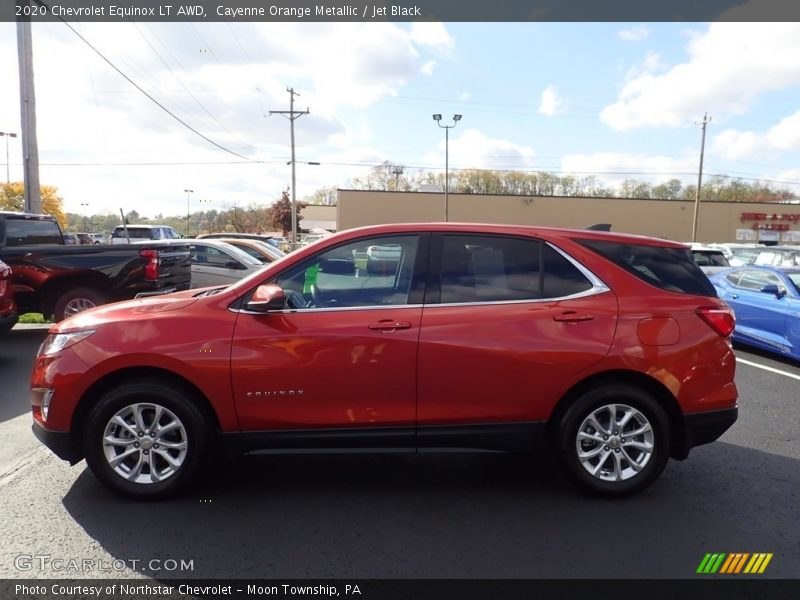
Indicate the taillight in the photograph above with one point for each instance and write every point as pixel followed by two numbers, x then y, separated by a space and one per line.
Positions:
pixel 151 268
pixel 719 319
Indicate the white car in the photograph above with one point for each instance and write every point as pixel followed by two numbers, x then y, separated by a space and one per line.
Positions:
pixel 710 260
pixel 137 233
pixel 389 252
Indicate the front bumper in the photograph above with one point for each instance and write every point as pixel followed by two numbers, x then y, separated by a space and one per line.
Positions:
pixel 703 428
pixel 60 442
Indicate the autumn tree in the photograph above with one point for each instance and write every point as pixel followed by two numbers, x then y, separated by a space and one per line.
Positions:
pixel 12 197
pixel 279 215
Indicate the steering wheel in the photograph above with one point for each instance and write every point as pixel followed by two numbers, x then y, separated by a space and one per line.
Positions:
pixel 295 299
pixel 316 296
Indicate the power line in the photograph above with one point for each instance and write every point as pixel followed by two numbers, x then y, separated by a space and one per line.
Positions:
pixel 134 84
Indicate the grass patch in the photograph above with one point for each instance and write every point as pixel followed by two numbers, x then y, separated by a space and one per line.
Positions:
pixel 33 318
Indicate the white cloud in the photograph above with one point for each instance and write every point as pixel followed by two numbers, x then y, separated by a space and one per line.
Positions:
pixel 465 96
pixel 634 34
pixel 428 68
pixel 236 74
pixel 552 103
pixel 472 149
pixel 432 34
pixel 729 66
pixel 735 145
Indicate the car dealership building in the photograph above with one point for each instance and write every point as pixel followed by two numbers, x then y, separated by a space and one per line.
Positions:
pixel 765 222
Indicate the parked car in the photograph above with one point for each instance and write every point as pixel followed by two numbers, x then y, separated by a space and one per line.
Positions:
pixel 242 236
pixel 611 350
pixel 258 249
pixel 58 281
pixel 71 239
pixel 766 302
pixel 776 256
pixel 215 262
pixel 134 233
pixel 8 308
pixel 710 260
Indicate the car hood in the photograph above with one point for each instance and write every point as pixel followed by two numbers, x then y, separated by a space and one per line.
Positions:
pixel 129 309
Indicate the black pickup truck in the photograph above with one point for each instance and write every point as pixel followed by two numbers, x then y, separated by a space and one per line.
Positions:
pixel 60 280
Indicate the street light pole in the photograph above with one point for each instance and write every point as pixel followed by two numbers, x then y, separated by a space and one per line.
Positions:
pixel 7 135
pixel 85 215
pixel 187 210
pixel 438 118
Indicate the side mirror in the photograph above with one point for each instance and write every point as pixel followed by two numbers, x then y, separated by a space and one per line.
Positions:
pixel 234 264
pixel 774 289
pixel 266 298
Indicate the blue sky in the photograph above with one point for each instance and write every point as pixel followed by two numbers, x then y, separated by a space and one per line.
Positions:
pixel 599 98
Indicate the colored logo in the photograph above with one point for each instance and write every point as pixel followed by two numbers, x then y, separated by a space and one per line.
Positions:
pixel 734 563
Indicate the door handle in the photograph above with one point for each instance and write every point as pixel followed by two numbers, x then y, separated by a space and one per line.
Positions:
pixel 734 296
pixel 389 325
pixel 573 317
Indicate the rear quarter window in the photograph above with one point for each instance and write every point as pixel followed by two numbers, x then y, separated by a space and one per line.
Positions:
pixel 667 268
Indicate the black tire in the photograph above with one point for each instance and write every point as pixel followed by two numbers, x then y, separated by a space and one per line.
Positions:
pixel 75 300
pixel 617 475
pixel 176 404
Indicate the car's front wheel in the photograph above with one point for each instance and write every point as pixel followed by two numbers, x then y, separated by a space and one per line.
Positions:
pixel 614 440
pixel 146 439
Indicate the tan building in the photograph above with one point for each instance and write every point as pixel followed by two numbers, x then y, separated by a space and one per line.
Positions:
pixel 669 219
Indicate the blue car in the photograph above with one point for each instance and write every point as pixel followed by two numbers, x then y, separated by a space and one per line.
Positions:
pixel 766 302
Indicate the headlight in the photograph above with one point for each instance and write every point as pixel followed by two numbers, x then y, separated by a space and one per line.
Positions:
pixel 59 341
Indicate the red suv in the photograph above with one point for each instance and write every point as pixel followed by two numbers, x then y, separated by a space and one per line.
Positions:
pixel 8 308
pixel 612 350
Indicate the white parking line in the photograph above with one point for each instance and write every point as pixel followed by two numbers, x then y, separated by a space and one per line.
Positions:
pixel 766 368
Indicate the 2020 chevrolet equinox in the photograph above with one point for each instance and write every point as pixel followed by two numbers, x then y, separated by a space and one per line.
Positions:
pixel 613 350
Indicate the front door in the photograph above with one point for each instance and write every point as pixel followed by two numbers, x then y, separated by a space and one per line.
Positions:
pixel 343 353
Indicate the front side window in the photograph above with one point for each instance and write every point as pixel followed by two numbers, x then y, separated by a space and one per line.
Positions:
pixel 480 268
pixel 372 272
pixel 755 280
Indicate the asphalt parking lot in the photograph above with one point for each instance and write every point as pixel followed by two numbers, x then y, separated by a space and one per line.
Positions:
pixel 410 515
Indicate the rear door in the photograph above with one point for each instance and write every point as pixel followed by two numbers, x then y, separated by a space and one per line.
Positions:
pixel 508 323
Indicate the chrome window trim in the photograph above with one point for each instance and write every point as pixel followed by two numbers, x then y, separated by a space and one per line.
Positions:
pixel 593 279
pixel 326 309
pixel 598 287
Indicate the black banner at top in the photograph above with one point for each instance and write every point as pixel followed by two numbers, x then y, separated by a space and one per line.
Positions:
pixel 399 10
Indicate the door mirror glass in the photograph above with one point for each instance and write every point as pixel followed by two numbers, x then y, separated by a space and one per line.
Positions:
pixel 267 297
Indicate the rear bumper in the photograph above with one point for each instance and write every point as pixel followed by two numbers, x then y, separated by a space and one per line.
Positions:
pixel 8 321
pixel 704 428
pixel 60 442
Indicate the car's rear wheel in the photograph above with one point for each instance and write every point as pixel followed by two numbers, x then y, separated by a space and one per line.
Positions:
pixel 614 440
pixel 146 439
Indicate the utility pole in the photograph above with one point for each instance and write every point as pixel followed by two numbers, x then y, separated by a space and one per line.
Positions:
pixel 706 120
pixel 27 101
pixel 292 115
pixel 397 170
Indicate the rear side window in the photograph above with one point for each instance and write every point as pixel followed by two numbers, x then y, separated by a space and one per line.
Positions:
pixel 671 269
pixel 29 232
pixel 484 268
